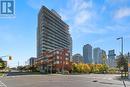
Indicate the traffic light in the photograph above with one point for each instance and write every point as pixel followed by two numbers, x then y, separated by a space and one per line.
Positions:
pixel 10 57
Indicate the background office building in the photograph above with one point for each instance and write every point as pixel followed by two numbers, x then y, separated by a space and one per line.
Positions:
pixel 77 58
pixel 97 53
pixel 87 53
pixel 32 61
pixel 52 33
pixel 111 58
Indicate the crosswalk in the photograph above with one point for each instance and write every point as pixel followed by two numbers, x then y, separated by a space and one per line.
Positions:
pixel 2 84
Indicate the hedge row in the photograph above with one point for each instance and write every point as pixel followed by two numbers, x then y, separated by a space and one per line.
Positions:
pixel 89 68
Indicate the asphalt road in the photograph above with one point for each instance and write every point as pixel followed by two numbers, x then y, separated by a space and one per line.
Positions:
pixel 89 80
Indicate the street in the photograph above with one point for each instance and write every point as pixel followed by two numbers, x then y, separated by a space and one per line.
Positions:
pixel 87 80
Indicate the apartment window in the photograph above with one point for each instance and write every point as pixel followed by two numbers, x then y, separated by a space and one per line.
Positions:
pixel 67 54
pixel 57 57
pixel 66 58
pixel 57 62
pixel 57 52
pixel 60 57
pixel 54 62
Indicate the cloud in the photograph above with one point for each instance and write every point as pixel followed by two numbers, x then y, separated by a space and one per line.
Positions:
pixel 36 4
pixel 91 29
pixel 79 5
pixel 103 8
pixel 79 13
pixel 76 8
pixel 122 12
pixel 82 17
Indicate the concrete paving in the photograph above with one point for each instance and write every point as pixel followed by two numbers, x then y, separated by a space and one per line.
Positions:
pixel 87 80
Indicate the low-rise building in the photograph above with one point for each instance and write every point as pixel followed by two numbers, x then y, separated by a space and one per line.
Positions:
pixel 54 61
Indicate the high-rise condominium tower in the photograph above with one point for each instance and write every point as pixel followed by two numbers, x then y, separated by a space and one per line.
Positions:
pixel 87 53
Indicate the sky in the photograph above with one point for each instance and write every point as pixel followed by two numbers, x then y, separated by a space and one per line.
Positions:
pixel 95 22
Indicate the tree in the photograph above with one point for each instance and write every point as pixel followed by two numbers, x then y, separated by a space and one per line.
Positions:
pixel 33 68
pixel 122 61
pixel 20 68
pixel 74 67
pixel 105 68
pixel 104 57
pixel 2 64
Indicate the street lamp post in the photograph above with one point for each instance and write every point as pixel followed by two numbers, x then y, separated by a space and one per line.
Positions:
pixel 121 38
pixel 128 65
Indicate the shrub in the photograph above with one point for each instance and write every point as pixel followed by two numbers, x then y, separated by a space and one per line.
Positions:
pixel 113 71
pixel 89 68
pixel 81 68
